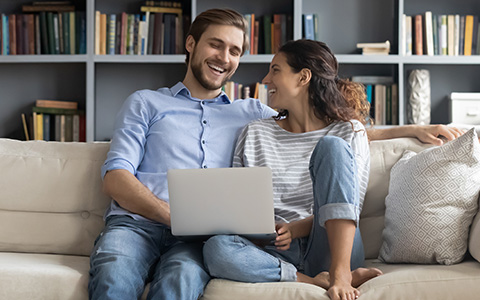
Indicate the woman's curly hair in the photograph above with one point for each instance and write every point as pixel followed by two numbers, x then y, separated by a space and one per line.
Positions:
pixel 332 98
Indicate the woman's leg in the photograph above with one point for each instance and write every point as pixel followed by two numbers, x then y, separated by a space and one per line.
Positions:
pixel 335 243
pixel 336 197
pixel 236 258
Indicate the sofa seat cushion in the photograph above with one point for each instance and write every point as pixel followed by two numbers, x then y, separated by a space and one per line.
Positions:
pixel 43 276
pixel 399 281
pixel 411 281
pixel 219 289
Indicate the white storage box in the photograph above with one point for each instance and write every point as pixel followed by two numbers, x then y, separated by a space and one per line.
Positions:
pixel 465 108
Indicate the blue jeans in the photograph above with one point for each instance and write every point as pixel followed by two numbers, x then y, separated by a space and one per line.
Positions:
pixel 336 196
pixel 129 253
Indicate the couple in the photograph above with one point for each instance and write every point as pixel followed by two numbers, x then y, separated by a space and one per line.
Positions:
pixel 194 125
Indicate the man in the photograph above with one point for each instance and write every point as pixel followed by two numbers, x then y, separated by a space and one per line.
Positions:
pixel 191 125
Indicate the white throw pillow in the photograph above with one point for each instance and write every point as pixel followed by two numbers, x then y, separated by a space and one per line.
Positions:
pixel 432 199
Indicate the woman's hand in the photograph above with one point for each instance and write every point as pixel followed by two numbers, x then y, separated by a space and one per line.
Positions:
pixel 284 236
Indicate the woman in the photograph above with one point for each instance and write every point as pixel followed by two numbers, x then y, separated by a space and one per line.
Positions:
pixel 318 151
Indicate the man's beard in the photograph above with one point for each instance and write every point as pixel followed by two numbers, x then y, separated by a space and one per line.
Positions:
pixel 201 78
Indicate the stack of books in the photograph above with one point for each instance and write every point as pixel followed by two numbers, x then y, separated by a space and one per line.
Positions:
pixel 375 48
pixel 52 27
pixel 158 29
pixel 442 34
pixel 54 120
pixel 382 94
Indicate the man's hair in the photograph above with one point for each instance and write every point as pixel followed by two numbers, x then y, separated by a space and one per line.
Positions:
pixel 217 16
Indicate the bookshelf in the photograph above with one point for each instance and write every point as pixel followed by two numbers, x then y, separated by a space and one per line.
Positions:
pixel 100 83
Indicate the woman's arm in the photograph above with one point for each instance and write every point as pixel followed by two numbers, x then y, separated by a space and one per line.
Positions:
pixel 425 133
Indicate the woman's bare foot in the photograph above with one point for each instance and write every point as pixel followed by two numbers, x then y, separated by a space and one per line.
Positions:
pixel 341 288
pixel 361 275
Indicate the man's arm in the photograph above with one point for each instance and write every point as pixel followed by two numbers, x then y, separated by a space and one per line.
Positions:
pixel 132 195
pixel 425 133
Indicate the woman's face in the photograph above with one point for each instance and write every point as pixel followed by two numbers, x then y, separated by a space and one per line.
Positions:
pixel 282 83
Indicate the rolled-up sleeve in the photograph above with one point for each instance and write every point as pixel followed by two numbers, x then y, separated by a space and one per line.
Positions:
pixel 128 141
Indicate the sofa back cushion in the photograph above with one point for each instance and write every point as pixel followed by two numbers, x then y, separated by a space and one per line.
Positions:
pixel 383 155
pixel 51 198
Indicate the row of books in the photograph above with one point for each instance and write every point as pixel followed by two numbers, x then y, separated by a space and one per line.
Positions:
pixel 43 33
pixel 382 94
pixel 57 123
pixel 429 34
pixel 157 30
pixel 268 32
pixel 235 90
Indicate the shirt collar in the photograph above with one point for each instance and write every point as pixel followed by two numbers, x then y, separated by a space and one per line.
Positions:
pixel 180 88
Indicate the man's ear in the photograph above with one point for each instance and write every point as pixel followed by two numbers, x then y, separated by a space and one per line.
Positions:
pixel 190 44
pixel 305 76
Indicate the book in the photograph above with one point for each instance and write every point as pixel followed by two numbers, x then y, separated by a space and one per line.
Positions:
pixel 456 36
pixel 443 35
pixel 72 29
pixel 56 104
pixel 56 36
pixel 44 33
pixel 12 33
pixel 468 35
pixel 277 32
pixel 158 38
pixel 475 35
pixel 97 32
pixel 165 10
pixel 112 20
pixel 25 127
pixel 408 33
pixel 375 48
pixel 56 111
pixel 267 33
pixel 418 35
pixel 103 34
pixel 60 34
pixel 53 8
pixel 373 79
pixel 461 42
pixel 451 35
pixel 308 27
pixel 429 33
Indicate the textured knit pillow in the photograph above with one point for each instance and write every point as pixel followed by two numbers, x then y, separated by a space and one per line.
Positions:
pixel 432 199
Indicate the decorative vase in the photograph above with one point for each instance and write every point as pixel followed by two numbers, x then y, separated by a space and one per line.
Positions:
pixel 419 101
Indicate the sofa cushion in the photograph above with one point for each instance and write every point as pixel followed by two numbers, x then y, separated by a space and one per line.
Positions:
pixel 43 276
pixel 383 155
pixel 474 238
pixel 407 281
pixel 431 202
pixel 51 198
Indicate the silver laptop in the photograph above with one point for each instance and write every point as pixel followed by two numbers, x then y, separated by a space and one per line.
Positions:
pixel 206 202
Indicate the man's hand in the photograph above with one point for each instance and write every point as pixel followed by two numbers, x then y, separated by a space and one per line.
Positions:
pixel 284 236
pixel 431 134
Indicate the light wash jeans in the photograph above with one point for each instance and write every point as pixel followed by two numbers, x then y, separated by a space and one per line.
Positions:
pixel 336 196
pixel 129 253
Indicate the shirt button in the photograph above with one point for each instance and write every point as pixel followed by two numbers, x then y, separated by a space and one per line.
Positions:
pixel 203 102
pixel 205 166
pixel 204 121
pixel 203 141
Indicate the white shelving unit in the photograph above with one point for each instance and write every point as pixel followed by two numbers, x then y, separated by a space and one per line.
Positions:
pixel 102 82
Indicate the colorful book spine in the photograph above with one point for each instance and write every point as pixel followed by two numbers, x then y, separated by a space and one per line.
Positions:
pixel 112 20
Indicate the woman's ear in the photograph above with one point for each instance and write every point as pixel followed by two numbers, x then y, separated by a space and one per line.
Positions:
pixel 305 76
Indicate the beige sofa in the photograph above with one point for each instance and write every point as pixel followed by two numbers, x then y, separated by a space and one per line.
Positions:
pixel 51 208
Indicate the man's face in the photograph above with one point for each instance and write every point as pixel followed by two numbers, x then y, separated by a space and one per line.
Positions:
pixel 215 57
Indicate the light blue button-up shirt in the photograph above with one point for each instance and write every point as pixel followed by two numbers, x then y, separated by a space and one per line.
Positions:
pixel 169 129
